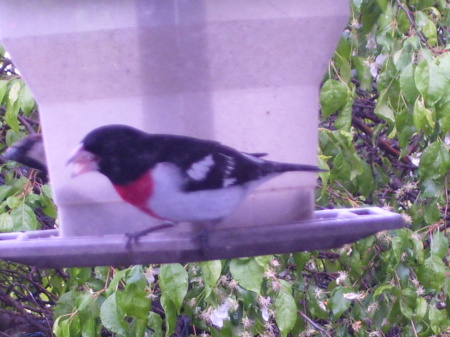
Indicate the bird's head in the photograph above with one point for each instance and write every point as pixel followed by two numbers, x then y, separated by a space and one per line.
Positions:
pixel 28 151
pixel 113 150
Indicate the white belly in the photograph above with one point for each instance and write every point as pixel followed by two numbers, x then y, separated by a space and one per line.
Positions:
pixel 169 202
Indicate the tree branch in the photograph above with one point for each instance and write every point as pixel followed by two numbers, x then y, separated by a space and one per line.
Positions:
pixel 322 331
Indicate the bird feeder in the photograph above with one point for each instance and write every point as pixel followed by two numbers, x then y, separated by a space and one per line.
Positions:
pixel 244 73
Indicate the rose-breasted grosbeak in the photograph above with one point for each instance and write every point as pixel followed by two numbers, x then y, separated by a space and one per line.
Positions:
pixel 28 151
pixel 175 178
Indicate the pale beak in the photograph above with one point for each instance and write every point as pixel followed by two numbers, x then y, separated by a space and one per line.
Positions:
pixel 82 161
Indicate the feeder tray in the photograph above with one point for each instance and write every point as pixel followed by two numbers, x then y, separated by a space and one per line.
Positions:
pixel 329 229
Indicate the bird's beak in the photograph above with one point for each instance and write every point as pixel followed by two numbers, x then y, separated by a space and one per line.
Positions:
pixel 82 161
pixel 10 153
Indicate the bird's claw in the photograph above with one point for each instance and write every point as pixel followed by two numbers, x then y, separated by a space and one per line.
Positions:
pixel 135 236
pixel 130 237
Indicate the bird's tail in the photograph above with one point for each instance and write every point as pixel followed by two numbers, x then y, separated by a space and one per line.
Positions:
pixel 275 167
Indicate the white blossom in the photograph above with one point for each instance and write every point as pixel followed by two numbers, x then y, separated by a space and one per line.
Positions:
pixel 354 296
pixel 342 277
pixel 220 314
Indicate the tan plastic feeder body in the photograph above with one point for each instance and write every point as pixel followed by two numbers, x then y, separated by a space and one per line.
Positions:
pixel 244 73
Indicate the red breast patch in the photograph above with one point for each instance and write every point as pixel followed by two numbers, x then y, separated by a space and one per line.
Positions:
pixel 137 193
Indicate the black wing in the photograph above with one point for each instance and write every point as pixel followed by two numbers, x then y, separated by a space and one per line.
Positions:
pixel 208 164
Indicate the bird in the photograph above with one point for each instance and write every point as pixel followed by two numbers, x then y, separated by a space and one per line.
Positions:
pixel 175 178
pixel 28 151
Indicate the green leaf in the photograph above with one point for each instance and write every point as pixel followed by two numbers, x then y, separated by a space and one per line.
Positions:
pixel 115 281
pixel 6 223
pixel 26 99
pixel 372 13
pixel 443 115
pixel 422 117
pixel 339 304
pixel 264 260
pixel 389 85
pixel 248 273
pixel 344 48
pixel 403 22
pixel 46 189
pixel 344 119
pixel 417 246
pixel 427 27
pixel 24 218
pixel 429 189
pixel 421 308
pixel 12 112
pixel 439 245
pixel 383 111
pixel 365 181
pixel 85 301
pixel 5 190
pixel 112 317
pixel 81 275
pixel 135 276
pixel 75 325
pixel 398 247
pixel 134 302
pixel 285 310
pixel 412 43
pixel 333 96
pixel 300 260
pixel 14 91
pixel 173 280
pixel 383 5
pixel 438 319
pixel 432 273
pixel 12 137
pixel 13 202
pixel 66 304
pixel 408 85
pixel 89 327
pixel 316 305
pixel 61 327
pixel 434 162
pixel 341 168
pixel 155 323
pixel 395 313
pixel 362 72
pixel 344 68
pixel 3 86
pixel 138 327
pixel 431 82
pixel 432 213
pixel 211 273
pixel 382 288
pixel 405 310
pixel 352 260
pixel 48 207
pixel 171 313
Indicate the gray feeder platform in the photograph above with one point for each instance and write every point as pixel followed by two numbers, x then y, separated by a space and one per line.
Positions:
pixel 329 229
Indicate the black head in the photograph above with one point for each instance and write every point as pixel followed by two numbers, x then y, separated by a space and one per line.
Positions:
pixel 113 140
pixel 122 153
pixel 29 151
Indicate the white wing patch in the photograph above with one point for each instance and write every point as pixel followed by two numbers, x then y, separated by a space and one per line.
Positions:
pixel 253 158
pixel 200 169
pixel 228 182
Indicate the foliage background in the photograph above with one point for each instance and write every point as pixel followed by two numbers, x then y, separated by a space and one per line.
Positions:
pixel 383 137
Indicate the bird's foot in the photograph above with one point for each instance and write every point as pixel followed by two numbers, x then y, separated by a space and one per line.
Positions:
pixel 135 236
pixel 202 237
